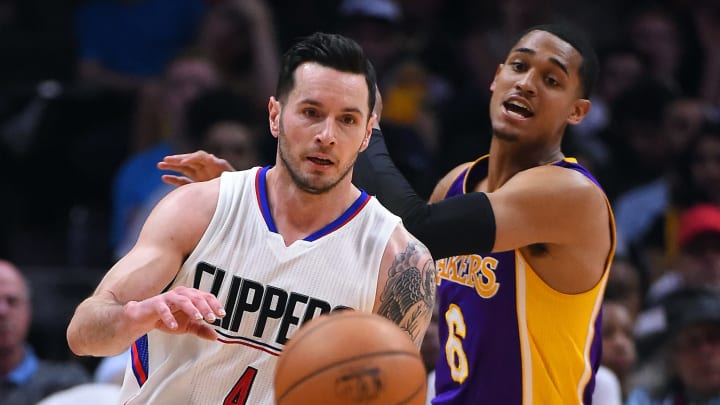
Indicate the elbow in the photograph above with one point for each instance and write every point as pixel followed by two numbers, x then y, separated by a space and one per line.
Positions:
pixel 73 343
pixel 73 340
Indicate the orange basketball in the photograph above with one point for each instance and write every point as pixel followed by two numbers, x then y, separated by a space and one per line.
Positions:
pixel 350 358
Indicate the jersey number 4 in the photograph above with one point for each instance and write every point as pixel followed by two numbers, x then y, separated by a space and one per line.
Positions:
pixel 241 391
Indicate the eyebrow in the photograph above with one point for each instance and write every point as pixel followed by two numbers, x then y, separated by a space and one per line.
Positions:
pixel 553 60
pixel 319 104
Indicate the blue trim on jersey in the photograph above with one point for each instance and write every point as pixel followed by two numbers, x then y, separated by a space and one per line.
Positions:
pixel 261 185
pixel 344 218
pixel 140 359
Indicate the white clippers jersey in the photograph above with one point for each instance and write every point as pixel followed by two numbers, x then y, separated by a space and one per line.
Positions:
pixel 268 289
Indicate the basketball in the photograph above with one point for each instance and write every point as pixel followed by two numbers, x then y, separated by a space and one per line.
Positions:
pixel 350 358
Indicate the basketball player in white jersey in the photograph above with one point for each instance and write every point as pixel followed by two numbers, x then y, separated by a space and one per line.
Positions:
pixel 225 271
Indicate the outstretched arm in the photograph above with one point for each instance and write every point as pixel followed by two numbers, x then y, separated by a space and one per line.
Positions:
pixel 129 302
pixel 455 226
pixel 443 226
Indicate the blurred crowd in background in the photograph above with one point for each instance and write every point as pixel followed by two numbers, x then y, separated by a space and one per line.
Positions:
pixel 93 93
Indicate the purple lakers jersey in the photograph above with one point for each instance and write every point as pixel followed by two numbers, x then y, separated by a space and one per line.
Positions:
pixel 506 337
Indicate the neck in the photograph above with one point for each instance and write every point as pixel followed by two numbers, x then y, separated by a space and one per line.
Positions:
pixel 507 158
pixel 298 213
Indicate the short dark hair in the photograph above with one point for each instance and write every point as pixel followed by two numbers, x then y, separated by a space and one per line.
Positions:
pixel 589 66
pixel 330 50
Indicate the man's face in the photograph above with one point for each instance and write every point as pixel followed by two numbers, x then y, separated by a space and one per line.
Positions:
pixel 699 261
pixel 233 142
pixel 696 353
pixel 537 91
pixel 322 126
pixel 618 347
pixel 184 80
pixel 14 309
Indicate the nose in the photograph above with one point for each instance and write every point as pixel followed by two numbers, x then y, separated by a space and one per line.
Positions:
pixel 326 133
pixel 526 82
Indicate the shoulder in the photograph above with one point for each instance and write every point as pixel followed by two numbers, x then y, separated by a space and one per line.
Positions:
pixel 195 198
pixel 402 241
pixel 183 215
pixel 404 252
pixel 564 185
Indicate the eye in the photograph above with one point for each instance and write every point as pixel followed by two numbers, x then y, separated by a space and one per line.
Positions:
pixel 517 66
pixel 310 112
pixel 348 119
pixel 552 82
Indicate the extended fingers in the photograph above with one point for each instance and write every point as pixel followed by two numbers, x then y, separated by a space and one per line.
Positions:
pixel 175 180
pixel 199 304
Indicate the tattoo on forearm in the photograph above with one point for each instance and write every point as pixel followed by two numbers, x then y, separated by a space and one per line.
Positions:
pixel 409 294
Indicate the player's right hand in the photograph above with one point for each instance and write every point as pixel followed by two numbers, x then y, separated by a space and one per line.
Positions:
pixel 180 310
pixel 194 167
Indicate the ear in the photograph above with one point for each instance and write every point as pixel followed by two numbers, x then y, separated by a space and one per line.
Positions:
pixel 274 110
pixel 368 132
pixel 579 111
pixel 497 72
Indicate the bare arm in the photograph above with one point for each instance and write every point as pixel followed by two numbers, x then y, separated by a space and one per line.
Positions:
pixel 128 302
pixel 561 222
pixel 406 286
pixel 547 204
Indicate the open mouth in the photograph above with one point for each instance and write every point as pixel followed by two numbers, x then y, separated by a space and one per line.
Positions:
pixel 319 161
pixel 517 108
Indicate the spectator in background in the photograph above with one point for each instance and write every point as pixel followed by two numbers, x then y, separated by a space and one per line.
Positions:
pixel 25 378
pixel 377 26
pixel 658 33
pixel 160 105
pixel 620 68
pixel 124 43
pixel 238 36
pixel 698 172
pixel 185 77
pixel 411 93
pixel 698 263
pixel 639 149
pixel 618 347
pixel 639 175
pixel 219 121
pixel 689 329
pixel 626 285
pixel 222 122
pixel 692 177
pixel 706 17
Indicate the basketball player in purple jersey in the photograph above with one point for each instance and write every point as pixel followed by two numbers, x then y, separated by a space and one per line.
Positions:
pixel 526 235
